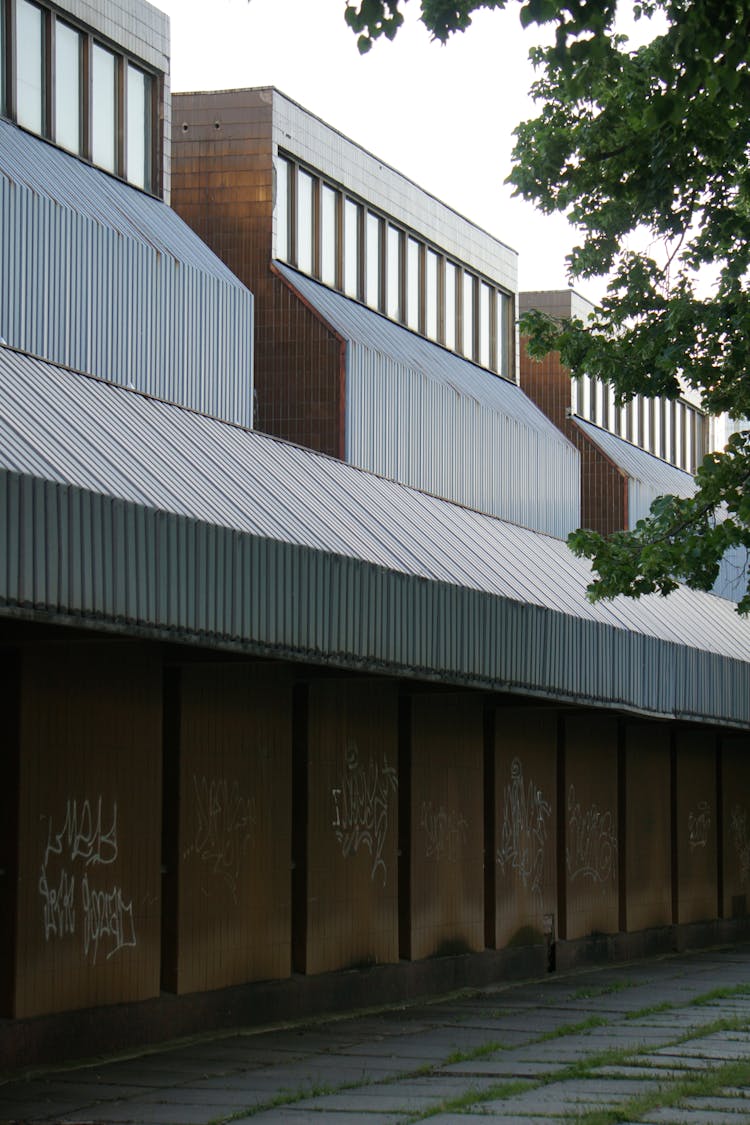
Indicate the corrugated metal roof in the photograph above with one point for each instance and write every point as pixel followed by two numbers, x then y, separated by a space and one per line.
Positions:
pixel 358 323
pixel 62 427
pixel 49 172
pixel 649 477
pixel 419 414
pixel 101 277
pixel 663 478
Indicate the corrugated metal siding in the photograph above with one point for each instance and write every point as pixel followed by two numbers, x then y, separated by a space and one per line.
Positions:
pixel 121 508
pixel 419 414
pixel 649 477
pixel 112 282
pixel 96 436
pixel 81 556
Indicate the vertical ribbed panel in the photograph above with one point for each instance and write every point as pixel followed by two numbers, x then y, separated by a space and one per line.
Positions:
pixel 406 426
pixel 734 567
pixel 83 556
pixel 89 297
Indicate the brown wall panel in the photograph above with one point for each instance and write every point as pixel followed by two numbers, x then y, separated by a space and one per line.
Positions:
pixel 447 834
pixel 591 828
pixel 90 815
pixel 525 817
pixel 735 784
pixel 648 861
pixel 604 488
pixel 352 864
pixel 695 826
pixel 223 187
pixel 234 898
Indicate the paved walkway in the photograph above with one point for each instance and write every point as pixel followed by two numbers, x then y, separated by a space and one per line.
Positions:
pixel 656 1041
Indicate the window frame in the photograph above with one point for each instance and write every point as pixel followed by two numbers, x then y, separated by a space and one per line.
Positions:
pixel 123 59
pixel 409 306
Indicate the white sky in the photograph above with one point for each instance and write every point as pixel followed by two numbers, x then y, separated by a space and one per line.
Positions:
pixel 441 115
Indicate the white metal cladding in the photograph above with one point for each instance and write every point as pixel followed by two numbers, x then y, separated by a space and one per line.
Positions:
pixel 419 414
pixel 649 477
pixel 110 281
pixel 82 557
pixel 98 442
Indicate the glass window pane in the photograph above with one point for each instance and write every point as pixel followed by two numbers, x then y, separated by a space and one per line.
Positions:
pixel 467 338
pixel 282 209
pixel 351 248
pixel 431 295
pixel 393 278
pixel 412 283
pixel 67 87
pixel 139 127
pixel 647 437
pixel 304 221
pixel 30 63
pixel 451 280
pixel 372 261
pixel 103 109
pixel 328 241
pixel 504 337
pixel 484 324
pixel 2 58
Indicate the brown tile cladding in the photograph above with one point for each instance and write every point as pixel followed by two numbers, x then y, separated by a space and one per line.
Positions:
pixel 222 186
pixel 604 487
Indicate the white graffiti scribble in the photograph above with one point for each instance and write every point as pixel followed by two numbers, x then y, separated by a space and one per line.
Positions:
pixel 698 825
pixel 738 828
pixel 524 829
pixel 82 836
pixel 87 840
pixel 361 807
pixel 106 915
pixel 225 822
pixel 592 852
pixel 58 911
pixel 445 830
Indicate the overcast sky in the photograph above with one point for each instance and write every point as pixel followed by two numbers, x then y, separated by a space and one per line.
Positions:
pixel 443 116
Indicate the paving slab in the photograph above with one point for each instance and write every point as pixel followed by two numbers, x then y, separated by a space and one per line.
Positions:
pixel 682 1116
pixel 345 1117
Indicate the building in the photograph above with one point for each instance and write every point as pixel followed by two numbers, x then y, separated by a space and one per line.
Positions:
pixel 284 734
pixel 630 454
pixel 379 310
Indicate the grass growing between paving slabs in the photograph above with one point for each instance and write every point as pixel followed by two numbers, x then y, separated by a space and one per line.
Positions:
pixel 666 1096
pixel 586 1068
pixel 669 1094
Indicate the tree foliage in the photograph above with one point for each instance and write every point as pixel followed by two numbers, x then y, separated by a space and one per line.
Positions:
pixel 643 146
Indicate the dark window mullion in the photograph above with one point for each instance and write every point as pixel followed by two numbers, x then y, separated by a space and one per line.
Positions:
pixel 10 58
pixel 86 79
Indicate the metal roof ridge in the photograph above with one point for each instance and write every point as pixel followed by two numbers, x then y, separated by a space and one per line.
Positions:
pixel 274 439
pixel 578 419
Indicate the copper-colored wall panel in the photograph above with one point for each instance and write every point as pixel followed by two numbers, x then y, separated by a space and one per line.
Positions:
pixel 90 815
pixel 447 832
pixel 735 784
pixel 696 826
pixel 525 812
pixel 222 185
pixel 352 878
pixel 234 902
pixel 604 489
pixel 591 828
pixel 648 826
